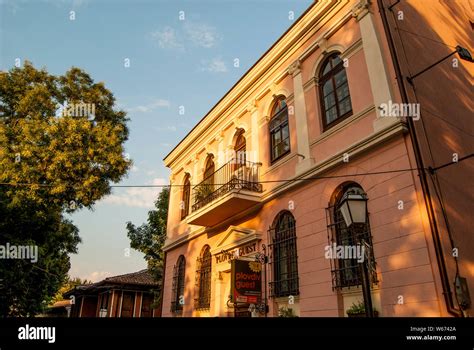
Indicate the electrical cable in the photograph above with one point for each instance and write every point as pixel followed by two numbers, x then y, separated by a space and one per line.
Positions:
pixel 261 182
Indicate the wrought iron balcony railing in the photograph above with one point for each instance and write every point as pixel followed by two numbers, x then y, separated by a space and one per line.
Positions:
pixel 237 174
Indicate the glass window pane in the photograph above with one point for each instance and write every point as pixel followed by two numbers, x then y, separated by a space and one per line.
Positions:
pixel 342 92
pixel 329 101
pixel 331 115
pixel 340 78
pixel 276 137
pixel 327 68
pixel 327 88
pixel 273 123
pixel 279 105
pixel 285 132
pixel 286 145
pixel 335 61
pixel 345 106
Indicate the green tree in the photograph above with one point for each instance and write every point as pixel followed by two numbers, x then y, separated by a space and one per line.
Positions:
pixel 150 236
pixel 69 284
pixel 69 160
pixel 26 286
pixel 51 162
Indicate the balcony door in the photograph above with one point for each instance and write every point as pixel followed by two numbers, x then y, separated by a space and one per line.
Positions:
pixel 240 150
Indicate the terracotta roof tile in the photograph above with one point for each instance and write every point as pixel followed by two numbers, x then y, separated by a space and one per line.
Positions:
pixel 142 277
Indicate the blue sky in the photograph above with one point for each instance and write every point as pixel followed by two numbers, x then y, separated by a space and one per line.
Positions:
pixel 173 63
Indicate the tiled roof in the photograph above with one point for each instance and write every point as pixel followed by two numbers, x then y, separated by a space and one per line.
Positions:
pixel 142 277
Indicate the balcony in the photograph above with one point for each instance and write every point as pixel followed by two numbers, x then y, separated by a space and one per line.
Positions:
pixel 231 189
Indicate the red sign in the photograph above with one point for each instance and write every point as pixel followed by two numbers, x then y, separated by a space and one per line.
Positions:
pixel 246 281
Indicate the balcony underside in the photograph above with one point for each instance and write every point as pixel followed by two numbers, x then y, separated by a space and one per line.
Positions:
pixel 223 208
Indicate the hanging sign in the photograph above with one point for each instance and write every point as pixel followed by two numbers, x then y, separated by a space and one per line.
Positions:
pixel 246 279
pixel 229 255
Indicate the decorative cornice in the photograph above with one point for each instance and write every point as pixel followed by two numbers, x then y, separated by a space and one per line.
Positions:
pixel 323 45
pixel 361 9
pixel 252 107
pixel 295 68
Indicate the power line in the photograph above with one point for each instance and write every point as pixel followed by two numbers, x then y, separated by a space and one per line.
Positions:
pixel 447 164
pixel 222 184
pixel 446 121
pixel 311 178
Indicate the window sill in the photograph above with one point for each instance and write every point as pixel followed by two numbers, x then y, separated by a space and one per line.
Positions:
pixel 341 125
pixel 280 162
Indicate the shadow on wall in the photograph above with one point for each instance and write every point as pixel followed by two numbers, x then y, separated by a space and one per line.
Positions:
pixel 429 31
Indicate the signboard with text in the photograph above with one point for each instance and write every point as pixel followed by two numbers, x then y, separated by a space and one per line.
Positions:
pixel 246 281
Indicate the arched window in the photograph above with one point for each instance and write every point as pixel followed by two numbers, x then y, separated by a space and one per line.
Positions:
pixel 279 130
pixel 203 279
pixel 209 170
pixel 177 300
pixel 334 91
pixel 284 256
pixel 240 149
pixel 186 197
pixel 347 272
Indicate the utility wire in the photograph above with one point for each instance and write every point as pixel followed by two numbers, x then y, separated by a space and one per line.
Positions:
pixel 222 184
pixel 265 181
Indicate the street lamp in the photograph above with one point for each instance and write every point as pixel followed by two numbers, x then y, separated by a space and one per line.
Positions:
pixel 354 208
pixel 354 211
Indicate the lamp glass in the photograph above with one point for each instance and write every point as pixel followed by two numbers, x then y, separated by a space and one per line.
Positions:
pixel 354 209
pixel 358 211
pixel 346 213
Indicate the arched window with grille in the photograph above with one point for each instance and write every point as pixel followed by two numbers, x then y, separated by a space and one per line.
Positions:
pixel 346 272
pixel 186 197
pixel 279 130
pixel 334 91
pixel 284 258
pixel 177 300
pixel 203 279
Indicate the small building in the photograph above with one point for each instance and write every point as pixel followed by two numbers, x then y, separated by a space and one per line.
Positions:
pixel 129 295
pixel 60 308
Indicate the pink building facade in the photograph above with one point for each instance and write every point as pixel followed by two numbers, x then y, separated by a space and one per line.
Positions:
pixel 266 172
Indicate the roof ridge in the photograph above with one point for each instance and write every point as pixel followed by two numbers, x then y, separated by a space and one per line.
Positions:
pixel 126 274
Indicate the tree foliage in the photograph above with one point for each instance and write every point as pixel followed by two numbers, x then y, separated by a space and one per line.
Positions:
pixel 69 284
pixel 26 286
pixel 150 236
pixel 50 163
pixel 69 160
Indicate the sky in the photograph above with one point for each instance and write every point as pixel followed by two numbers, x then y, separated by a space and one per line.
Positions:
pixel 160 59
